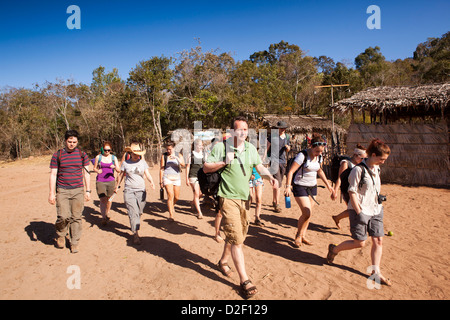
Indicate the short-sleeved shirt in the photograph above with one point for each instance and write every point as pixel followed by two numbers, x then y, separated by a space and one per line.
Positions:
pixel 70 169
pixel 307 175
pixel 134 180
pixel 282 143
pixel 367 194
pixel 234 185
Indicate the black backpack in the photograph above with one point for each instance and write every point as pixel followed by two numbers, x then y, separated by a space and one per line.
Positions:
pixel 344 180
pixel 335 165
pixel 344 177
pixel 209 182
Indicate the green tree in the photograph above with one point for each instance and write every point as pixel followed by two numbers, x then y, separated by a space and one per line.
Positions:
pixel 152 81
pixel 432 59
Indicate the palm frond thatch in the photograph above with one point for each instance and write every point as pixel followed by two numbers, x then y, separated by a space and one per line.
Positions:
pixel 379 99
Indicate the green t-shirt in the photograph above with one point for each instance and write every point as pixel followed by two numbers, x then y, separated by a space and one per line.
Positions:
pixel 234 184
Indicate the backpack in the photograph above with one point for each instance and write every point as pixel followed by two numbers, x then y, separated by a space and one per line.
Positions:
pixel 335 165
pixel 209 182
pixel 344 177
pixel 100 159
pixel 291 162
pixel 344 180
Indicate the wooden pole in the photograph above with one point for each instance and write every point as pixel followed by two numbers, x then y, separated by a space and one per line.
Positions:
pixel 332 101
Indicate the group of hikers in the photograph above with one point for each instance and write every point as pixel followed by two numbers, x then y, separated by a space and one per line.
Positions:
pixel 241 177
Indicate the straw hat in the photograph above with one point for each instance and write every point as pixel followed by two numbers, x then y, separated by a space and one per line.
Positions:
pixel 135 148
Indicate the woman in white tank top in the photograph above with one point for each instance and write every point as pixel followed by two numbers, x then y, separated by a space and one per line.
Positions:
pixel 170 177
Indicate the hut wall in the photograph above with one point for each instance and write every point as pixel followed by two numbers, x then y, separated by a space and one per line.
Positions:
pixel 420 153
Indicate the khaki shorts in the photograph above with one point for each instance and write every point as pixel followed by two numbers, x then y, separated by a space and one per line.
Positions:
pixel 235 219
pixel 105 189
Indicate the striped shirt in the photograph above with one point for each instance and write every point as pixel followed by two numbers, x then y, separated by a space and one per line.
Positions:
pixel 70 170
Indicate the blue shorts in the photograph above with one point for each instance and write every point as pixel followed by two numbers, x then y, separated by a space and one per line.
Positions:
pixel 302 191
pixel 255 182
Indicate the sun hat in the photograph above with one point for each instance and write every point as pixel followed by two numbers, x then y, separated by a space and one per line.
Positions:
pixel 135 148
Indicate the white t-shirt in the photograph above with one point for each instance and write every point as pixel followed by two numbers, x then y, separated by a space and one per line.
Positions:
pixel 307 175
pixel 134 180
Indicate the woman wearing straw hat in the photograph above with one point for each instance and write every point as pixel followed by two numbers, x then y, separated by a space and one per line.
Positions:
pixel 134 193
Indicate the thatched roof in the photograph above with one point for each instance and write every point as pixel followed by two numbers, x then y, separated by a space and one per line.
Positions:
pixel 381 98
pixel 302 124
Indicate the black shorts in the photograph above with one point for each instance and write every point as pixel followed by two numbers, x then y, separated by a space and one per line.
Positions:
pixel 302 191
pixel 280 174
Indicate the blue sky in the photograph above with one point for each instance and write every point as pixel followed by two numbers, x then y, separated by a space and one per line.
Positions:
pixel 36 45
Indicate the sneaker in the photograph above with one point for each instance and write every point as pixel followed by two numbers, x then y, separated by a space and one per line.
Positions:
pixel 276 207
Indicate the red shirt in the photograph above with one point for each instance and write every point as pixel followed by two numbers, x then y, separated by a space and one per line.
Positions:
pixel 70 170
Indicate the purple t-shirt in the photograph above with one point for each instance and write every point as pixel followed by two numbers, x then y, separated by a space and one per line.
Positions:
pixel 107 174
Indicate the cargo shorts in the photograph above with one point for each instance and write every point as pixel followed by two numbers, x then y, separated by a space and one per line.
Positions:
pixel 361 225
pixel 235 219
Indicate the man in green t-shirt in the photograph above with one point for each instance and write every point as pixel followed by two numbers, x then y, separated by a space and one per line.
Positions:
pixel 236 160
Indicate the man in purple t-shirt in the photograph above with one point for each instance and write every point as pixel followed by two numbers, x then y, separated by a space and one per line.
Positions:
pixel 69 170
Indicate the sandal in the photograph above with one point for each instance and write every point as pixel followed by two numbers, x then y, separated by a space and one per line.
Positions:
pixel 383 280
pixel 222 267
pixel 297 240
pixel 307 242
pixel 248 292
pixel 259 223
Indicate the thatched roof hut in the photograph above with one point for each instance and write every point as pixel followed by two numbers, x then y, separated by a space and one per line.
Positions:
pixel 400 102
pixel 305 125
pixel 420 149
pixel 302 123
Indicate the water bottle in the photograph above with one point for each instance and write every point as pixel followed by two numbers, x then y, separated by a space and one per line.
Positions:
pixel 287 200
pixel 161 194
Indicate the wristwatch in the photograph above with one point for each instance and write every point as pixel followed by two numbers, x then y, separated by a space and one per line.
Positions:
pixel 88 191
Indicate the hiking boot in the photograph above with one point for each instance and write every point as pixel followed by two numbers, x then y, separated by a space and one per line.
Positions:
pixel 60 242
pixel 74 248
pixel 276 207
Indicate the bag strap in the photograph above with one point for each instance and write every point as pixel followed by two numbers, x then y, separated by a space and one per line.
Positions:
pixel 58 158
pixel 235 157
pixel 365 167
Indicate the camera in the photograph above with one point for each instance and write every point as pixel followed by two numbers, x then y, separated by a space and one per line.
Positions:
pixel 381 198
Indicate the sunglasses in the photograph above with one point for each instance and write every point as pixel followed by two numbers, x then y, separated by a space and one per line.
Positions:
pixel 107 150
pixel 319 144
